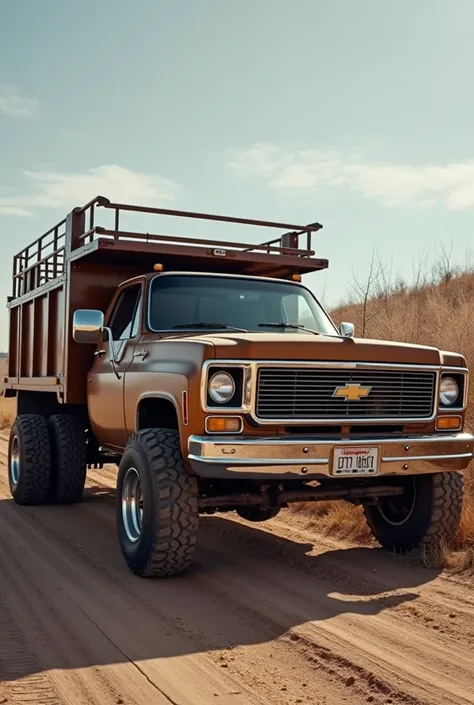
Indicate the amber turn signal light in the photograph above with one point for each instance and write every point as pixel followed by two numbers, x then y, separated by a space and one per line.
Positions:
pixel 223 424
pixel 448 423
pixel 296 277
pixel 158 267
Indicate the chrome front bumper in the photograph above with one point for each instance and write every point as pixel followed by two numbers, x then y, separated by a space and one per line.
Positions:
pixel 307 458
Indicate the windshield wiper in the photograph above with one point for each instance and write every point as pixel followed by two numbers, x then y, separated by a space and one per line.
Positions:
pixel 296 326
pixel 209 324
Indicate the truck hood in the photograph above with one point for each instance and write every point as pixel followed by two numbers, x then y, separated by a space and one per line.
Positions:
pixel 284 346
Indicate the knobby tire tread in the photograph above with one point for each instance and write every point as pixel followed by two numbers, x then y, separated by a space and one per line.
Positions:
pixel 433 525
pixel 35 459
pixel 176 516
pixel 69 461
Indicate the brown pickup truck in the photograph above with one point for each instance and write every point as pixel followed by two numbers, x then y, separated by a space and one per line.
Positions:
pixel 216 382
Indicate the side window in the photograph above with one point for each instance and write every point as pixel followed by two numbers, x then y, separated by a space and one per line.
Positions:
pixel 136 318
pixel 125 319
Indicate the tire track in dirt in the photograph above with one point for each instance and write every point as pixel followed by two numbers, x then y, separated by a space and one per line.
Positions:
pixel 440 671
pixel 81 595
pixel 16 659
pixel 264 617
pixel 445 602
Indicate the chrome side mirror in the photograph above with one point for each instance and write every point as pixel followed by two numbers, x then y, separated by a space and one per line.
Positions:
pixel 347 330
pixel 88 326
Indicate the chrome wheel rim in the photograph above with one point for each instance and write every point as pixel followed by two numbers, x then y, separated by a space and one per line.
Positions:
pixel 398 511
pixel 15 461
pixel 132 505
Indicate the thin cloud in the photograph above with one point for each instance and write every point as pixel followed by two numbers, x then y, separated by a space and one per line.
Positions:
pixel 16 105
pixel 14 210
pixel 426 185
pixel 50 189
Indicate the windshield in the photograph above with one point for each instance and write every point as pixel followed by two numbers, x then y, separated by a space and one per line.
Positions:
pixel 190 301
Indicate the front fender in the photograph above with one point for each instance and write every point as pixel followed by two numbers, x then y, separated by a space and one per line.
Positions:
pixel 172 388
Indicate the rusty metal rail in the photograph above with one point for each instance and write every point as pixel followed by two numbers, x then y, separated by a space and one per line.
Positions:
pixel 44 259
pixel 288 243
pixel 40 262
pixel 103 202
pixel 267 247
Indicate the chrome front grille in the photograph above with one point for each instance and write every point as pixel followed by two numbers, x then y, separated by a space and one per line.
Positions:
pixel 308 393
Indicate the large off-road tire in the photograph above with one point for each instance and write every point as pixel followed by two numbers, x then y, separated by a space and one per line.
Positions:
pixel 426 517
pixel 69 462
pixel 256 513
pixel 157 505
pixel 29 459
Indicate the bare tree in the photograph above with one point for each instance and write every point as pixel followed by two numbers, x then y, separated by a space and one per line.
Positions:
pixel 365 290
pixel 446 270
pixel 422 272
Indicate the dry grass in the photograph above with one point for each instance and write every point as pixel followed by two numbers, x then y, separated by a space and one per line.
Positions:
pixel 7 413
pixel 337 519
pixel 460 562
pixel 439 314
pixel 462 555
pixel 7 406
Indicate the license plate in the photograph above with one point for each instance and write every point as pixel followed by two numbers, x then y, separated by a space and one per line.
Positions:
pixel 355 461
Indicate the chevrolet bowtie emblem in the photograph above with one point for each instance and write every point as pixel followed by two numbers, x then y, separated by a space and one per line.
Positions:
pixel 352 392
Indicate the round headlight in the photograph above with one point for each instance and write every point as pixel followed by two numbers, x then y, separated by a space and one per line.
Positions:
pixel 448 391
pixel 221 387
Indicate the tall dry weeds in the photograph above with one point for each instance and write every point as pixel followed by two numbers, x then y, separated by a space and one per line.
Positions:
pixel 7 406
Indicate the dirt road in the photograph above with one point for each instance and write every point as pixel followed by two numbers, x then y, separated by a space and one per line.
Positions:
pixel 265 617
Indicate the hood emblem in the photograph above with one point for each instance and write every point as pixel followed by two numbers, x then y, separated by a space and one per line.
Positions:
pixel 352 392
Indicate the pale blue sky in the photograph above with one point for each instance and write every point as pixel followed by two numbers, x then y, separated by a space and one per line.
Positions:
pixel 356 113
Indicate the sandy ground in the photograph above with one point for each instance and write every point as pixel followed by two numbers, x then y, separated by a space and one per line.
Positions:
pixel 268 615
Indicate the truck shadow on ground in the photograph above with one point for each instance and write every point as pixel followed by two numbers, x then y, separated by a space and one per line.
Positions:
pixel 62 573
